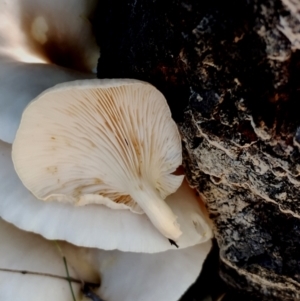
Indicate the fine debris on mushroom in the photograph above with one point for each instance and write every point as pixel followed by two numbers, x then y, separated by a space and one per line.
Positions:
pixel 105 142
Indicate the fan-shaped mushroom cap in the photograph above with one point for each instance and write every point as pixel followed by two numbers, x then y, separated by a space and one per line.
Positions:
pixel 97 225
pixel 110 142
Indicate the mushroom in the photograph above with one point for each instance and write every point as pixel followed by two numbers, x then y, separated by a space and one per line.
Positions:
pixel 106 142
pixel 32 268
pixel 27 67
pixel 42 43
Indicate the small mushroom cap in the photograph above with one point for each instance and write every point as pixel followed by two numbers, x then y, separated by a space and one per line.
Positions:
pixel 108 142
pixel 124 276
pixel 51 32
pixel 97 225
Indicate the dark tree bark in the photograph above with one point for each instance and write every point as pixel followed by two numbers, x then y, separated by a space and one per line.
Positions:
pixel 230 71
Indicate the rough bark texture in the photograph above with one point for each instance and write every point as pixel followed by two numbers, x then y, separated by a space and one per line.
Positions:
pixel 232 80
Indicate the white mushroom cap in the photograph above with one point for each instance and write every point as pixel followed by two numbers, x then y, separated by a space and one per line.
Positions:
pixel 20 83
pixel 51 32
pixel 124 276
pixel 110 142
pixel 38 40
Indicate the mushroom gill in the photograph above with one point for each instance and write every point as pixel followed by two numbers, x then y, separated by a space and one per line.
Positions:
pixel 108 142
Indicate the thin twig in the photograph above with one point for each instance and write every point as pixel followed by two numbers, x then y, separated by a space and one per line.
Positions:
pixel 66 267
pixel 70 279
pixel 70 283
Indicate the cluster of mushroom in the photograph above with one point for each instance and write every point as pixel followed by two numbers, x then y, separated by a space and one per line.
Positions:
pixel 93 163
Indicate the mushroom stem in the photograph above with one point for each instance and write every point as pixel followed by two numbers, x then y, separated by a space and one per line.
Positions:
pixel 159 213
